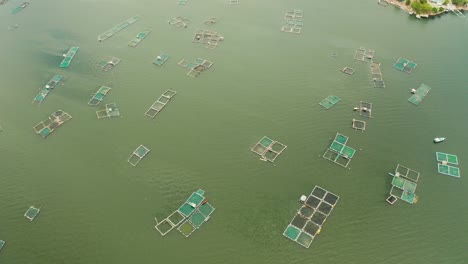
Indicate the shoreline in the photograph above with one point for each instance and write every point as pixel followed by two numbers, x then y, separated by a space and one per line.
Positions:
pixel 409 10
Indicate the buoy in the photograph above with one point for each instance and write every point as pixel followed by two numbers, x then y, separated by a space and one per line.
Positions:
pixel 413 91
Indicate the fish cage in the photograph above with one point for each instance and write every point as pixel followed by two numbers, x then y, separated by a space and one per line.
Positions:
pixel 308 221
pixel 338 152
pixel 268 149
pixel 330 101
pixel 447 158
pixel 109 33
pixel 160 103
pixel 359 124
pixel 179 21
pixel 32 213
pixel 51 84
pixel 293 21
pixel 19 8
pixel 208 38
pixel 404 195
pixel 211 21
pixel 107 65
pixel 138 155
pixel 376 75
pixel 196 67
pixel 360 54
pixel 161 59
pixel 365 109
pixel 99 95
pixel 448 170
pixel 111 110
pixel 405 172
pixel 139 38
pixel 348 70
pixel 420 94
pixel 2 243
pixel 68 57
pixel 405 65
pixel 56 119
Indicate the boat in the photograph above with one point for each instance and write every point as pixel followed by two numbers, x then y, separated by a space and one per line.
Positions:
pixel 438 139
pixel 391 199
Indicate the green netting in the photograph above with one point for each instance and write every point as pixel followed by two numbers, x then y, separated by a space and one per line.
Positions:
pixel 404 65
pixel 420 94
pixel 186 209
pixel 449 158
pixel 197 219
pixel 141 151
pixel 2 243
pixel 304 239
pixel 341 138
pixel 206 209
pixel 31 213
pixel 398 182
pixel 291 232
pixel 196 199
pixel 336 146
pixel 411 64
pixel 326 104
pixel 408 197
pixel 186 228
pixel 117 28
pixel 449 170
pixel 68 57
pixel 348 152
pixel 161 59
pixel 409 186
pixel 45 132
pixel 200 192
pixel 330 101
pixel 266 142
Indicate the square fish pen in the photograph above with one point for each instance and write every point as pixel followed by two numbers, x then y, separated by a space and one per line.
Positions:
pixel 99 95
pixel 443 166
pixel 359 125
pixel 40 97
pixel 447 158
pixel 365 109
pixel 111 110
pixel 348 70
pixel 419 95
pixel 402 171
pixel 404 65
pixel 293 21
pixel 109 64
pixel 208 38
pixel 309 219
pixel 338 152
pixel 49 125
pixel 404 184
pixel 268 149
pixel 68 57
pixel 330 101
pixel 211 21
pixel 376 74
pixel 200 216
pixel 138 155
pixel 109 33
pixel 161 59
pixel 31 213
pixel 196 67
pixel 179 21
pixel 2 243
pixel 404 195
pixel 360 54
pixel 157 106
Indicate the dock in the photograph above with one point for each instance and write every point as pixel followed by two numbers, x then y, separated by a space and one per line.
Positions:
pixel 20 7
pixel 40 97
pixel 55 120
pixel 139 38
pixel 109 33
pixel 160 103
pixel 68 57
pixel 99 95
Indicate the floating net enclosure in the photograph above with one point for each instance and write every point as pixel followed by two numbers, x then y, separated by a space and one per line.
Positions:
pixel 330 101
pixel 2 243
pixel 40 97
pixel 448 170
pixel 161 59
pixel 107 65
pixel 361 54
pixel 419 95
pixel 49 125
pixel 348 70
pixel 208 38
pixel 447 158
pixel 109 33
pixel 31 213
pixel 138 155
pixel 403 195
pixel 211 21
pixel 111 110
pixel 19 8
pixel 376 74
pixel 293 21
pixel 179 21
pixel 268 149
pixel 196 67
pixel 157 106
pixel 233 2
pixel 359 124
pixel 405 65
pixel 365 109
pixel 404 184
pixel 98 96
pixel 338 152
pixel 139 38
pixel 402 171
pixel 308 221
pixel 182 2
pixel 68 57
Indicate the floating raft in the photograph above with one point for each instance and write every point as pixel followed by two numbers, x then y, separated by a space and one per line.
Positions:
pixel 109 64
pixel 330 101
pixel 196 67
pixel 405 65
pixel 19 8
pixel 139 38
pixel 404 184
pixel 138 155
pixel 31 213
pixel 359 124
pixel 293 20
pixel 309 219
pixel 420 94
pixel 55 120
pixel 97 97
pixel 338 152
pixel 109 33
pixel 161 59
pixel 211 21
pixel 189 217
pixel 40 97
pixel 361 54
pixel 68 57
pixel 111 110
pixel 347 70
pixel 157 106
pixel 268 149
pixel 376 74
pixel 2 243
pixel 209 38
pixel 179 21
pixel 443 166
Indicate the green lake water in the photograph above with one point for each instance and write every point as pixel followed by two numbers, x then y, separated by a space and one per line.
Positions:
pixel 96 208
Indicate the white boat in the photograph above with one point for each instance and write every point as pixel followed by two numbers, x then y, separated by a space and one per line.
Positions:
pixel 439 139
